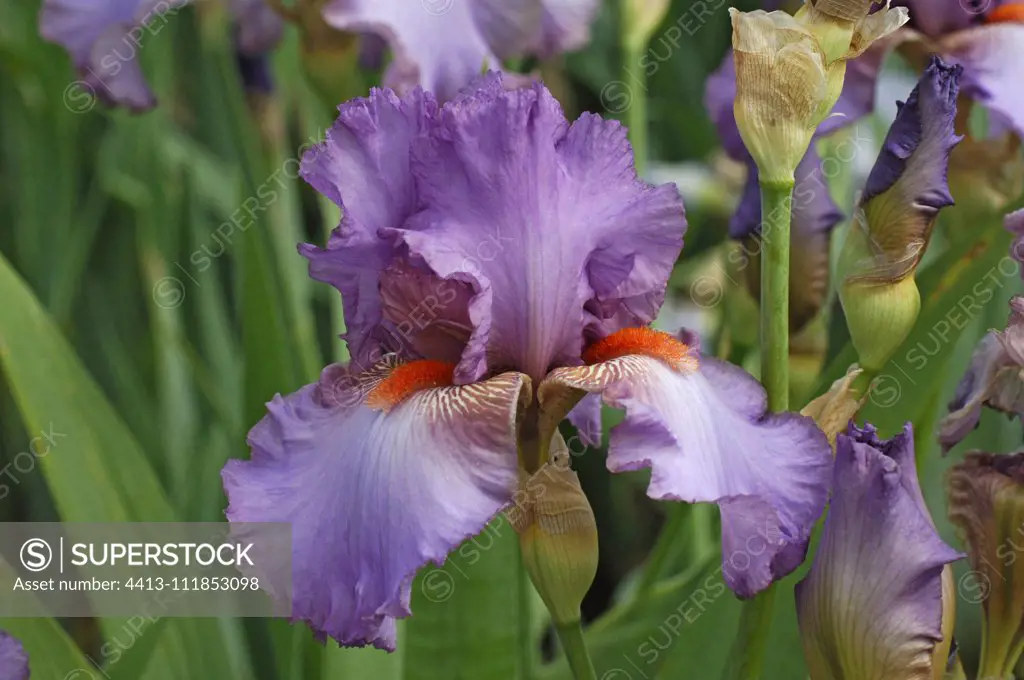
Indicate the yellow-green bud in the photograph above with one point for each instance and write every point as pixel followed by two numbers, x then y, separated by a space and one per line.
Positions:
pixel 558 536
pixel 880 298
pixel 790 71
pixel 641 17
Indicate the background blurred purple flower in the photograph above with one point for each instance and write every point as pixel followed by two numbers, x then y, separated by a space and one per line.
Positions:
pixel 442 45
pixel 104 38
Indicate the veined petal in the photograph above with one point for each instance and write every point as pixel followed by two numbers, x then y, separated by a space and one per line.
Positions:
pixel 872 604
pixel 377 478
pixel 13 659
pixel 907 186
pixel 103 38
pixel 547 221
pixel 993 60
pixel 700 426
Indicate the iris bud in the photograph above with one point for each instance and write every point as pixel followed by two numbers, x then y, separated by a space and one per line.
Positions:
pixel 986 503
pixel 897 211
pixel 557 534
pixel 641 17
pixel 790 71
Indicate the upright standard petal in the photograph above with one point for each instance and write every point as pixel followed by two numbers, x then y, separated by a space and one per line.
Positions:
pixel 547 222
pixel 378 473
pixel 13 659
pixel 103 38
pixel 872 605
pixel 986 503
pixel 994 378
pixel 907 186
pixel 363 167
pixel 700 426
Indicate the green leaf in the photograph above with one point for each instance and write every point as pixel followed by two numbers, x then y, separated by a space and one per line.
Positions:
pixel 465 623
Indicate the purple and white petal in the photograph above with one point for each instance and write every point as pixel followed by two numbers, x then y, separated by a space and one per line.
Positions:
pixel 441 45
pixel 373 494
pixel 546 220
pixel 565 26
pixel 700 425
pixel 872 603
pixel 103 38
pixel 13 659
pixel 908 184
pixel 993 60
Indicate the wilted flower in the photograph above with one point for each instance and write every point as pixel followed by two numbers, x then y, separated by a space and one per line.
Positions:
pixel 904 193
pixel 986 502
pixel 443 45
pixel 13 659
pixel 995 378
pixel 879 600
pixel 496 265
pixel 789 74
pixel 104 37
pixel 834 410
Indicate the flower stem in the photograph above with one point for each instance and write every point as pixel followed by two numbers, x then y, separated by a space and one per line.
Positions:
pixel 776 206
pixel 571 637
pixel 747 657
pixel 524 589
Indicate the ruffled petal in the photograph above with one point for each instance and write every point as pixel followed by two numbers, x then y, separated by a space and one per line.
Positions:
pixel 872 604
pixel 993 61
pixel 908 185
pixel 547 221
pixel 994 378
pixel 363 167
pixel 700 425
pixel 13 659
pixel 103 38
pixel 375 486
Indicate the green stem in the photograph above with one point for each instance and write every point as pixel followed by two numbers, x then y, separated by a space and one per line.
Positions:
pixel 571 637
pixel 524 589
pixel 776 207
pixel 693 521
pixel 747 657
pixel 636 112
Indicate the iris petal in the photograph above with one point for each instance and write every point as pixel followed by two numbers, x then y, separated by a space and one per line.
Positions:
pixel 13 659
pixel 701 427
pixel 872 604
pixel 373 494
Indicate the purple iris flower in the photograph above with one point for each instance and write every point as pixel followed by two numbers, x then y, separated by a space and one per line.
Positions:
pixel 104 38
pixel 993 379
pixel 499 268
pixel 442 45
pixel 876 602
pixel 13 659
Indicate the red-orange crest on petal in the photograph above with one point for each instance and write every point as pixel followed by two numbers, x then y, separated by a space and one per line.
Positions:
pixel 406 379
pixel 647 342
pixel 1012 12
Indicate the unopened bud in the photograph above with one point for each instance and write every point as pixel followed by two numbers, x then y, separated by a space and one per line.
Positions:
pixel 558 536
pixel 641 17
